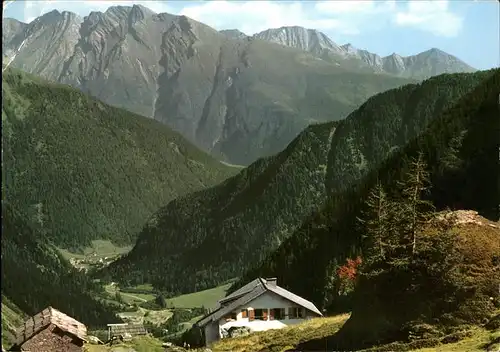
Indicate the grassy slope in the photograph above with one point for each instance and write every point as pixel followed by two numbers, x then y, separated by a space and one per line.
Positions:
pixel 142 344
pixel 220 232
pixel 206 298
pixel 282 339
pixel 81 170
pixel 102 248
pixel 12 318
pixel 289 337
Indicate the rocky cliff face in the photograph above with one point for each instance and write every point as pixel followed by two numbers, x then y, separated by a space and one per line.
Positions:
pixel 309 40
pixel 421 66
pixel 238 97
pixel 233 33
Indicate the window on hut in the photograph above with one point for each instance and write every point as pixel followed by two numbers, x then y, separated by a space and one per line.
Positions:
pixel 278 313
pixel 251 314
pixel 260 314
pixel 231 316
pixel 295 313
pixel 244 313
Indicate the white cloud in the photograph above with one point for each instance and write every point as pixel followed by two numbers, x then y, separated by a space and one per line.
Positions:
pixel 342 16
pixel 343 6
pixel 357 16
pixel 338 17
pixel 431 16
pixel 33 9
pixel 251 17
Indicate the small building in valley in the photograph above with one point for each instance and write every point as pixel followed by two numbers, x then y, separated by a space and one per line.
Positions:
pixel 49 331
pixel 124 329
pixel 259 305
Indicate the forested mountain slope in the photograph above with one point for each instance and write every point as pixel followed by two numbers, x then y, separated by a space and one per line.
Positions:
pixel 78 169
pixel 461 148
pixel 235 97
pixel 34 276
pixel 207 237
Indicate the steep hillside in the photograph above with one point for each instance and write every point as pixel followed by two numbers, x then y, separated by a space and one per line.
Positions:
pixel 78 169
pixel 421 66
pixel 294 337
pixel 35 276
pixel 216 234
pixel 461 149
pixel 12 318
pixel 238 98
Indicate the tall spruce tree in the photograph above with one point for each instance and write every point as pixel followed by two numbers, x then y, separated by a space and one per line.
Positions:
pixel 391 224
pixel 415 211
pixel 377 221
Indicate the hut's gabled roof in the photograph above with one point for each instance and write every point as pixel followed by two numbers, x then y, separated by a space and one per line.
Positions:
pixel 132 329
pixel 46 317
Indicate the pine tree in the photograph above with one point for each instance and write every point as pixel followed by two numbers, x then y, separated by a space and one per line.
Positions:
pixel 118 297
pixel 378 226
pixel 160 300
pixel 414 211
pixel 331 283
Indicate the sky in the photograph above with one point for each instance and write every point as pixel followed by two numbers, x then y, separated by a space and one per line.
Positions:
pixel 468 29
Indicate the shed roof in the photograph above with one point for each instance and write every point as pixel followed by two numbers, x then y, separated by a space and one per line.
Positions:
pixel 251 291
pixel 46 317
pixel 132 329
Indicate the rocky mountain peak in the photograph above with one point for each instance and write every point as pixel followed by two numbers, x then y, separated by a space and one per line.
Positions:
pixel 302 38
pixel 233 33
pixel 140 12
pixel 349 48
pixel 428 63
pixel 437 51
pixel 50 14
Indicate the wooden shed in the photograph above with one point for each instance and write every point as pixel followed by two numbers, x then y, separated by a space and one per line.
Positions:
pixel 49 331
pixel 117 330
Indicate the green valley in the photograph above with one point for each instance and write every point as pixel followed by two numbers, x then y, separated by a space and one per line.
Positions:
pixel 80 179
pixel 79 170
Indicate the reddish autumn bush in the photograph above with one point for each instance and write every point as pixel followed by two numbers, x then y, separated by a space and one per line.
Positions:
pixel 349 270
pixel 347 275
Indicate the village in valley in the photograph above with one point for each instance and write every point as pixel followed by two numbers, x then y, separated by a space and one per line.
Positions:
pixel 261 305
pixel 99 255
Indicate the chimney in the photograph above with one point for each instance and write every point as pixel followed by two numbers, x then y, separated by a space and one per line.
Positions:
pixel 271 281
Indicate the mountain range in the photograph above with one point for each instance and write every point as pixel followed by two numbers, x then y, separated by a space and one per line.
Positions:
pixel 421 66
pixel 237 97
pixel 216 234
